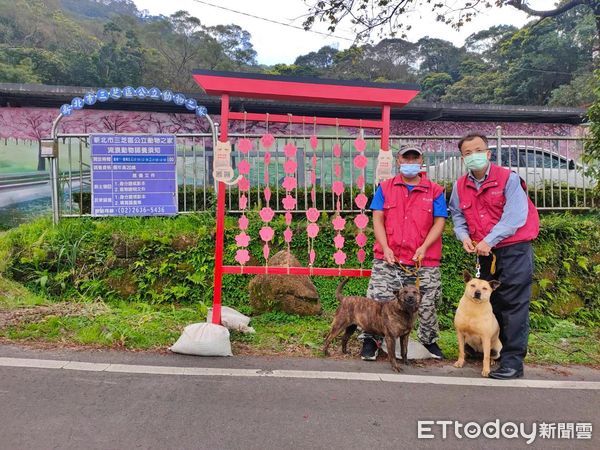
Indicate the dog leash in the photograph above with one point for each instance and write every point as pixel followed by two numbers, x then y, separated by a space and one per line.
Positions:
pixel 412 272
pixel 478 265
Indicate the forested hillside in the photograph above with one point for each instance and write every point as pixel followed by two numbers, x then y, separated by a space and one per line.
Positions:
pixel 111 42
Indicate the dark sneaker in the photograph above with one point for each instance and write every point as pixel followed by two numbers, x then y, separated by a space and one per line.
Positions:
pixel 370 349
pixel 435 350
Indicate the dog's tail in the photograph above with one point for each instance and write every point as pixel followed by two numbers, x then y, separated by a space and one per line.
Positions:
pixel 338 292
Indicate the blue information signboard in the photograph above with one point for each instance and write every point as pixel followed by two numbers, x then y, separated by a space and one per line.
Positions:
pixel 134 175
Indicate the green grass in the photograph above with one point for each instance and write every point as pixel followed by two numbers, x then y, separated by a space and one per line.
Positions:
pixel 14 295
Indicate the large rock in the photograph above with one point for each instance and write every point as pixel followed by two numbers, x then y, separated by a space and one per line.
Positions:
pixel 293 294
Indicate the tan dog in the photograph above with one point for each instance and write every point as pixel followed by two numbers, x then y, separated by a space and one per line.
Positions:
pixel 392 319
pixel 475 322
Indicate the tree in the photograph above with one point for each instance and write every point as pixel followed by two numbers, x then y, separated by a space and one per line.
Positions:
pixel 591 154
pixel 320 61
pixel 434 86
pixel 236 43
pixel 386 17
pixel 438 56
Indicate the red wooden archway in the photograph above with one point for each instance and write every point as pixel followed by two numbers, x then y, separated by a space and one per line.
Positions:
pixel 274 87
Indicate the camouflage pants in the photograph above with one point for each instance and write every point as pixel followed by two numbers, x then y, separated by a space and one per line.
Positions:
pixel 387 278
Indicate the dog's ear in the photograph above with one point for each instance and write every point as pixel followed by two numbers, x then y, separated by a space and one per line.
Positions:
pixel 494 284
pixel 467 276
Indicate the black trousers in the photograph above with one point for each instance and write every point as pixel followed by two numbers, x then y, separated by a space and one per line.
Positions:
pixel 510 301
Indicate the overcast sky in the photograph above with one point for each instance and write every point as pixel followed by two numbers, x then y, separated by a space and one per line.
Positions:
pixel 280 44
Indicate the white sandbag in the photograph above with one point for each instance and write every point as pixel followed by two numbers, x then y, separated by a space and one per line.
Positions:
pixel 416 350
pixel 203 339
pixel 232 319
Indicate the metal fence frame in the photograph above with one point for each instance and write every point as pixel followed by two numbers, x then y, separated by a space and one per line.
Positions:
pixel 197 148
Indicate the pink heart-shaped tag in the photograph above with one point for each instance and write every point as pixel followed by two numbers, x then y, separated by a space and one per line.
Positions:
pixel 289 202
pixel 360 161
pixel 266 233
pixel 312 230
pixel 360 182
pixel 338 170
pixel 290 150
pixel 267 194
pixel 288 218
pixel 266 214
pixel 338 241
pixel 287 235
pixel 311 257
pixel 244 167
pixel 360 144
pixel 314 142
pixel 313 161
pixel 338 223
pixel 243 223
pixel 289 183
pixel 339 257
pixel 313 195
pixel 244 145
pixel 290 166
pixel 337 150
pixel 361 201
pixel 242 240
pixel 242 256
pixel 313 177
pixel 243 184
pixel 337 187
pixel 243 202
pixel 312 214
pixel 267 140
pixel 267 158
pixel 361 221
pixel 266 251
pixel 361 255
pixel 361 239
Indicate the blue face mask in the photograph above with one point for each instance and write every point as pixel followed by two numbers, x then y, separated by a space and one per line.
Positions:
pixel 410 170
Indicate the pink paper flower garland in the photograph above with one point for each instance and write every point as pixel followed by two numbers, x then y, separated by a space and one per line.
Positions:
pixel 339 223
pixel 242 240
pixel 266 214
pixel 312 214
pixel 362 220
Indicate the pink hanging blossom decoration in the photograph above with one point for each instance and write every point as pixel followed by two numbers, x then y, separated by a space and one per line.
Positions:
pixel 360 182
pixel 338 170
pixel 337 150
pixel 244 145
pixel 243 201
pixel 288 218
pixel 266 233
pixel 290 150
pixel 311 257
pixel 289 202
pixel 267 158
pixel 360 161
pixel 312 214
pixel 361 255
pixel 266 251
pixel 361 239
pixel 338 223
pixel 339 257
pixel 287 235
pixel 337 187
pixel 360 144
pixel 244 167
pixel 267 140
pixel 267 194
pixel 289 183
pixel 361 221
pixel 338 241
pixel 242 256
pixel 314 142
pixel 290 166
pixel 243 223
pixel 266 214
pixel 312 230
pixel 361 201
pixel 242 240
pixel 243 184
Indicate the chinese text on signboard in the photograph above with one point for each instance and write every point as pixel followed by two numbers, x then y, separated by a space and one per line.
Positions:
pixel 134 175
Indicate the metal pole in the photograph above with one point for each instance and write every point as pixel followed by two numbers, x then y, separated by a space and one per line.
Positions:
pixel 499 145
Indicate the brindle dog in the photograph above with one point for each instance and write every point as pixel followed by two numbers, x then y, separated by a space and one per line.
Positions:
pixel 392 319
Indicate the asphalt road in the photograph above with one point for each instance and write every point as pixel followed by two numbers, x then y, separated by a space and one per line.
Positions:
pixel 62 408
